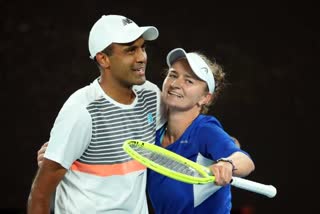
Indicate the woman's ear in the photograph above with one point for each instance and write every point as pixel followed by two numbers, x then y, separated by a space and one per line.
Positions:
pixel 207 99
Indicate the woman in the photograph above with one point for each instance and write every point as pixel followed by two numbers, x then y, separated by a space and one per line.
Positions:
pixel 191 85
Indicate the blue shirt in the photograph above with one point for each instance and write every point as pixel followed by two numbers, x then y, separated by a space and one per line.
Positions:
pixel 204 141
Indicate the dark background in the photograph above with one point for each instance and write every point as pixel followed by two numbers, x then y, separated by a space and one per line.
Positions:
pixel 269 52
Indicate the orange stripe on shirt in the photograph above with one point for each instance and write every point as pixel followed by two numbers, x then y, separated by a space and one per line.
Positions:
pixel 108 170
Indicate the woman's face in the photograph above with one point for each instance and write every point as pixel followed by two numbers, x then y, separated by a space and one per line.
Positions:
pixel 182 89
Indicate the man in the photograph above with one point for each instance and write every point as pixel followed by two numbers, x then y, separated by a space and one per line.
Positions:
pixel 84 161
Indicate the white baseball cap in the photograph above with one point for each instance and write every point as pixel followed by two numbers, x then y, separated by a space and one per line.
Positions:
pixel 197 64
pixel 117 29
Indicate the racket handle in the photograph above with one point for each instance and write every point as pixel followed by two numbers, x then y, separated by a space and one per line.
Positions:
pixel 267 190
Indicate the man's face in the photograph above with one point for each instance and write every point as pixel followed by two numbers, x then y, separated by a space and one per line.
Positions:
pixel 128 63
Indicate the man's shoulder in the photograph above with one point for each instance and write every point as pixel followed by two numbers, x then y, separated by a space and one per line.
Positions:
pixel 84 96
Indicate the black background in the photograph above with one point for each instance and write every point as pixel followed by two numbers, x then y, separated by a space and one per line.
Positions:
pixel 268 50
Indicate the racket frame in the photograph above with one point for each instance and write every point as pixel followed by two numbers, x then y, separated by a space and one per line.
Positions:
pixel 267 190
pixel 202 170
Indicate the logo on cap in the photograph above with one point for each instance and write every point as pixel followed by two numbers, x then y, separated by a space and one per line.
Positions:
pixel 204 69
pixel 126 21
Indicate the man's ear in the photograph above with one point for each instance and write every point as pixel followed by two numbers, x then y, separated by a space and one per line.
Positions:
pixel 103 60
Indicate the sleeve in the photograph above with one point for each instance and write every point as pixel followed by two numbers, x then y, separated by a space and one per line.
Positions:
pixel 70 135
pixel 215 143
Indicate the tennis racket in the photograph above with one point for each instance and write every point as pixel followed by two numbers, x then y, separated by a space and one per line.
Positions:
pixel 182 169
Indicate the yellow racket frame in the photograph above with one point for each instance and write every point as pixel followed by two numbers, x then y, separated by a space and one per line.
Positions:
pixel 202 170
pixel 267 190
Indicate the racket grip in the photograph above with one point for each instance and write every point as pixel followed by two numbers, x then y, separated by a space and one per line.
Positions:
pixel 267 190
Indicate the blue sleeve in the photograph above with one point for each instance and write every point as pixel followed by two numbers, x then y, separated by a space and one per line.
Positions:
pixel 214 142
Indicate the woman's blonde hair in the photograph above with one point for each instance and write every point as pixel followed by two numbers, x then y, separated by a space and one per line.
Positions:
pixel 219 77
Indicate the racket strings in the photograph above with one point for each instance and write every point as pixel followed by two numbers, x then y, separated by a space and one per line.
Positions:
pixel 166 162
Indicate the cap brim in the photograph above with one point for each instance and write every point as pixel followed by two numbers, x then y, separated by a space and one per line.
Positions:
pixel 174 55
pixel 148 33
